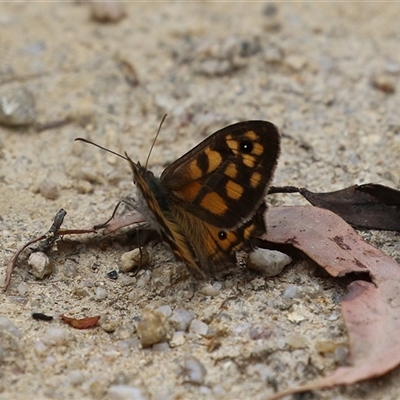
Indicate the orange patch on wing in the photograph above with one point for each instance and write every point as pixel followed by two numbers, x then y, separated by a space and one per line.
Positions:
pixel 189 192
pixel 249 160
pixel 248 231
pixel 258 149
pixel 251 135
pixel 255 179
pixel 214 159
pixel 194 170
pixel 214 203
pixel 234 190
pixel 233 144
pixel 231 171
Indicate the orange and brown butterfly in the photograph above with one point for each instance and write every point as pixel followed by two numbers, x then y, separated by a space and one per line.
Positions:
pixel 209 203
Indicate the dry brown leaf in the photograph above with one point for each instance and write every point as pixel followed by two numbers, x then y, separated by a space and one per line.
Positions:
pixel 83 323
pixel 367 206
pixel 371 310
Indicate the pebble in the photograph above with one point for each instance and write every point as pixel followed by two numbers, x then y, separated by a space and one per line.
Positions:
pixel 8 326
pixel 153 327
pixel 101 294
pixel 40 265
pixel 259 331
pixel 126 280
pixel 125 392
pixel 198 327
pixel 75 377
pixel 70 268
pixel 326 346
pixel 107 11
pixel 178 339
pixel 273 55
pixel 193 370
pixel 113 275
pixel 209 290
pixel 166 310
pixel 55 336
pixel 17 106
pixel 180 319
pixel 295 61
pixel 291 292
pixel 384 83
pixel 295 341
pixel 134 259
pixel 296 317
pixel 109 326
pixel 49 189
pixel 144 279
pixel 163 346
pixel 341 354
pixel 269 262
pixel 22 288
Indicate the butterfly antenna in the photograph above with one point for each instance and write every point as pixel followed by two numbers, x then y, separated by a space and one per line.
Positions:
pixel 155 139
pixel 100 147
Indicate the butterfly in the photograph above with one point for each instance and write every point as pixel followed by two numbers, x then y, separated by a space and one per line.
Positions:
pixel 209 204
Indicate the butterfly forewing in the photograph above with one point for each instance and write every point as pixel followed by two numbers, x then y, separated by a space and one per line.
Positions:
pixel 225 178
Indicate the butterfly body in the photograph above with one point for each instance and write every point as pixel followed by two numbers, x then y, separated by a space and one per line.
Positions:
pixel 209 203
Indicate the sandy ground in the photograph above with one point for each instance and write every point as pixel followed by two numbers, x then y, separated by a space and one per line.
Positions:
pixel 325 74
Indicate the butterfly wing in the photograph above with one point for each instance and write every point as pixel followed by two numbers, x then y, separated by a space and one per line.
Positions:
pixel 224 179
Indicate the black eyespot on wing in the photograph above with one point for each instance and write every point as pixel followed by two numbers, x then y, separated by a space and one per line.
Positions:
pixel 221 235
pixel 246 146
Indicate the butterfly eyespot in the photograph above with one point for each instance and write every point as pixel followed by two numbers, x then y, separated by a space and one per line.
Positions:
pixel 222 235
pixel 246 146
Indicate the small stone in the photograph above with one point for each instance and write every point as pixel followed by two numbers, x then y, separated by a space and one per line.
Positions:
pixel 209 290
pixel 163 346
pixel 295 317
pixel 126 280
pixel 198 327
pixel 273 55
pixel 384 83
pixel 22 288
pixel 178 339
pixel 8 326
pixel 268 262
pixel 17 106
pixel 107 11
pixel 193 370
pixel 295 62
pixel 101 294
pixel 112 275
pixel 153 327
pixel 55 336
pixel 109 326
pixel 70 268
pixel 166 310
pixel 75 377
pixel 125 392
pixel 181 319
pixel 341 354
pixel 295 341
pixel 144 279
pixel 132 260
pixel 49 189
pixel 40 265
pixel 259 331
pixel 291 292
pixel 79 292
pixel 326 346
